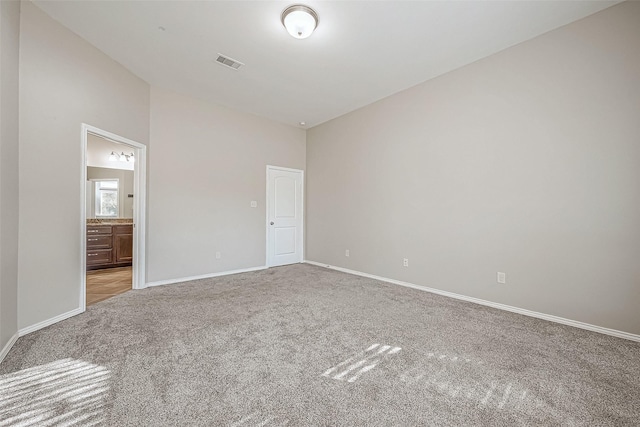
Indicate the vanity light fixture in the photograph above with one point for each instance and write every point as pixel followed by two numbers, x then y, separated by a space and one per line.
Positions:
pixel 299 20
pixel 114 157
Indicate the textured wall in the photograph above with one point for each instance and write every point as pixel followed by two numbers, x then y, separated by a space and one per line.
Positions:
pixel 9 43
pixel 524 162
pixel 64 82
pixel 206 166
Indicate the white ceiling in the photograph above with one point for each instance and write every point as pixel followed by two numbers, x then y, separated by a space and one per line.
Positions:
pixel 362 51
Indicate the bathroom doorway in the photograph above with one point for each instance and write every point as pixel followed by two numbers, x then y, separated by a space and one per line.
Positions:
pixel 113 216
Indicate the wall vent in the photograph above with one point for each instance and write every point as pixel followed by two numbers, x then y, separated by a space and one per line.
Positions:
pixel 228 62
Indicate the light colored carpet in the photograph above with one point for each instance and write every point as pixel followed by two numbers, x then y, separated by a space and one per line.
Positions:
pixel 305 346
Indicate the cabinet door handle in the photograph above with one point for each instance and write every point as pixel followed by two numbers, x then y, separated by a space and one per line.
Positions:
pixel 92 254
pixel 92 240
pixel 94 231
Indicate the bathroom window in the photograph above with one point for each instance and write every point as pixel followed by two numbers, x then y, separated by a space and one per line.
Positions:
pixel 106 195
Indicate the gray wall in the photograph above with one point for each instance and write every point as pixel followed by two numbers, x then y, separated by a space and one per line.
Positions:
pixel 125 183
pixel 206 166
pixel 525 162
pixel 9 42
pixel 64 81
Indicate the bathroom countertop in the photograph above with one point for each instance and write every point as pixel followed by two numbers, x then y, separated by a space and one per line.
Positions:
pixel 110 221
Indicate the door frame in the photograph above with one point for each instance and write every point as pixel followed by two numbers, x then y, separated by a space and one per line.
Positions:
pixel 268 252
pixel 139 208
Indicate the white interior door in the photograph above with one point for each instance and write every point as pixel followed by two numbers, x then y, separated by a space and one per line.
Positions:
pixel 284 216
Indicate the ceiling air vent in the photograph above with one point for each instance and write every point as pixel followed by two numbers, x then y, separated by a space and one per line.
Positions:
pixel 229 62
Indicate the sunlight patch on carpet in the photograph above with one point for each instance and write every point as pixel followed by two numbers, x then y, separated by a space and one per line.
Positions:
pixel 352 368
pixel 257 420
pixel 461 377
pixel 66 392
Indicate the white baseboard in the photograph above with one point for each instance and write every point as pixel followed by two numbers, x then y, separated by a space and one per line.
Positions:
pixel 48 322
pixel 7 347
pixel 205 276
pixel 56 319
pixel 549 317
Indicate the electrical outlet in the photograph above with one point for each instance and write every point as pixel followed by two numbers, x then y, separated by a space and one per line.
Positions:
pixel 218 255
pixel 405 262
pixel 502 277
pixel 346 253
pixel 254 204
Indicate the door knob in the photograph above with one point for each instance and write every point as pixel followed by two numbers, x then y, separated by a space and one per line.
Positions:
pixel 271 223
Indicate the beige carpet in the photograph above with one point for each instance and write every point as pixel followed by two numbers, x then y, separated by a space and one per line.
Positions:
pixel 305 346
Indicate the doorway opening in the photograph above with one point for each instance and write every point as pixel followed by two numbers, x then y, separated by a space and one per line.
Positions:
pixel 113 215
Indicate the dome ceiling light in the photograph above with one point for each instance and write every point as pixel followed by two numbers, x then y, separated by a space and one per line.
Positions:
pixel 299 20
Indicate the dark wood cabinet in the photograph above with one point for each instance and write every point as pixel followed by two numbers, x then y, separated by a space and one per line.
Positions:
pixel 99 241
pixel 97 257
pixel 109 246
pixel 123 243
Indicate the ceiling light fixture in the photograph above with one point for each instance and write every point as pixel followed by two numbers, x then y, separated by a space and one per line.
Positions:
pixel 299 20
pixel 113 157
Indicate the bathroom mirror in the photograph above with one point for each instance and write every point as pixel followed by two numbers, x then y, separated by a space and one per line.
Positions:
pixel 109 193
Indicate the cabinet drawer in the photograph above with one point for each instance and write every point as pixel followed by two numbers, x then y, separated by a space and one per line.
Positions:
pixel 99 256
pixel 99 242
pixel 123 229
pixel 98 229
